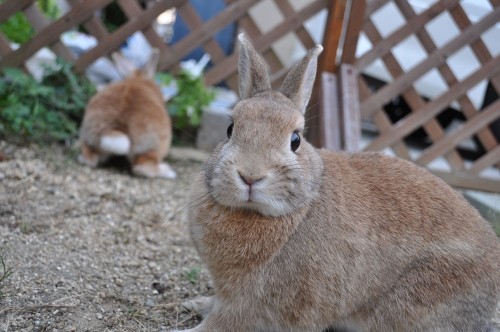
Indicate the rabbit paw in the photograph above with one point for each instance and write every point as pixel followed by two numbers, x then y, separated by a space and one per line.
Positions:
pixel 161 170
pixel 90 162
pixel 201 305
pixel 165 171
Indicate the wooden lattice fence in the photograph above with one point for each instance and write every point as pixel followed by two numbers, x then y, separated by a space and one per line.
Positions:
pixel 478 170
pixel 83 13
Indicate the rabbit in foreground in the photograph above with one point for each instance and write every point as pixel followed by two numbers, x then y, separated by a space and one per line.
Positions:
pixel 129 118
pixel 299 239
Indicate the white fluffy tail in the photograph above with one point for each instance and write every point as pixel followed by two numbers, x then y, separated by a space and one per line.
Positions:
pixel 116 143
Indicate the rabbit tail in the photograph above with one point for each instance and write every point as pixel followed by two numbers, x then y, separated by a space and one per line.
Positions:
pixel 115 142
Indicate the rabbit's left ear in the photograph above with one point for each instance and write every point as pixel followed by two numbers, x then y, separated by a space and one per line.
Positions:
pixel 124 66
pixel 252 71
pixel 298 84
pixel 151 66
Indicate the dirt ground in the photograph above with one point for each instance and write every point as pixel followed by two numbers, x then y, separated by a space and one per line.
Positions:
pixel 95 250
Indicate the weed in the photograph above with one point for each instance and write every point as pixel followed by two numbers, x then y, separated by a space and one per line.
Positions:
pixel 194 274
pixel 5 272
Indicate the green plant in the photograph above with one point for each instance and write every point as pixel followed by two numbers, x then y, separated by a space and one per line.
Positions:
pixel 187 106
pixel 49 110
pixel 194 274
pixel 19 30
pixel 4 274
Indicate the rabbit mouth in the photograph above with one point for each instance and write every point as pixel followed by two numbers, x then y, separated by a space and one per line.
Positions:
pixel 256 201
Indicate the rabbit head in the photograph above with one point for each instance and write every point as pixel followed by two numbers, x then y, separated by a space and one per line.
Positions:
pixel 266 165
pixel 128 69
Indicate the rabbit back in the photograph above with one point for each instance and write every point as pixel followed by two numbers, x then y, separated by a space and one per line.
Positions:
pixel 133 107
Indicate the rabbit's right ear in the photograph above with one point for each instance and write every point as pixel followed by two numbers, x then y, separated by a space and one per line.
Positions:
pixel 298 84
pixel 150 67
pixel 252 70
pixel 123 65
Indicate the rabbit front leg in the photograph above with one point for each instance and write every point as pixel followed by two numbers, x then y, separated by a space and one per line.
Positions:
pixel 222 317
pixel 202 305
pixel 89 156
pixel 221 322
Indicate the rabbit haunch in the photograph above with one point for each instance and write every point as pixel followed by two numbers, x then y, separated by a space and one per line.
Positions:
pixel 129 118
pixel 308 239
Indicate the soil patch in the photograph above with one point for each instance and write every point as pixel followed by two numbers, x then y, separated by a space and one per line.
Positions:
pixel 94 249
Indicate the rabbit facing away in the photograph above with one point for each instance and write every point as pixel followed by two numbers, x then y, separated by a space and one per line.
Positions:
pixel 300 239
pixel 129 118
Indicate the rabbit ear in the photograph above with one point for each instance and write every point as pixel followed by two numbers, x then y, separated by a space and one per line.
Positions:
pixel 252 70
pixel 151 66
pixel 299 82
pixel 123 65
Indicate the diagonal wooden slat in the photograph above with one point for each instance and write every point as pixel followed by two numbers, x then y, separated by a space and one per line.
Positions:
pixel 372 6
pixel 369 106
pixel 485 135
pixel 414 24
pixel 416 103
pixel 113 41
pixel 228 66
pixel 205 32
pixel 301 32
pixel 490 114
pixel 39 22
pixel 50 35
pixel 382 122
pixel 488 160
pixel 194 21
pixel 477 46
pixel 415 120
pixel 9 8
pixel 93 26
pixel 4 46
pixel 132 10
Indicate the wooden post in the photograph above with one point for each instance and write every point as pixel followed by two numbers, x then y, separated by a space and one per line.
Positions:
pixel 339 116
pixel 316 117
pixel 330 124
pixel 350 118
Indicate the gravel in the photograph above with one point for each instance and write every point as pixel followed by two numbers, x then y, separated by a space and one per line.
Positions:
pixel 94 249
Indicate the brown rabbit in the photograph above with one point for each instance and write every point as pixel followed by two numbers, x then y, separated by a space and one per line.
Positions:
pixel 129 118
pixel 299 239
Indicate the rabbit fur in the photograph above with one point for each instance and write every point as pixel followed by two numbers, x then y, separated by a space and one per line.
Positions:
pixel 129 118
pixel 311 239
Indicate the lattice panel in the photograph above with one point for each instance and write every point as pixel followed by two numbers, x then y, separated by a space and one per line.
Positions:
pixel 293 22
pixel 404 73
pixel 83 13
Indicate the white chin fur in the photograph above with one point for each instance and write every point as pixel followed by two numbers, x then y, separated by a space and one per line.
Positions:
pixel 273 209
pixel 118 145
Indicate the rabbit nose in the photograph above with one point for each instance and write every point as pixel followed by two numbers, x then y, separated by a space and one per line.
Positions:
pixel 248 179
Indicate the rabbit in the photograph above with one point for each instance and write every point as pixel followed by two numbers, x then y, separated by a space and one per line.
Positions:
pixel 129 118
pixel 301 239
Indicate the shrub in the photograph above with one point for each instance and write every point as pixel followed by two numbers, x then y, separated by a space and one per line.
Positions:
pixel 50 110
pixel 19 30
pixel 192 96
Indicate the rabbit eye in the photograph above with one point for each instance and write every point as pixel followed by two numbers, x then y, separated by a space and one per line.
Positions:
pixel 295 141
pixel 230 130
